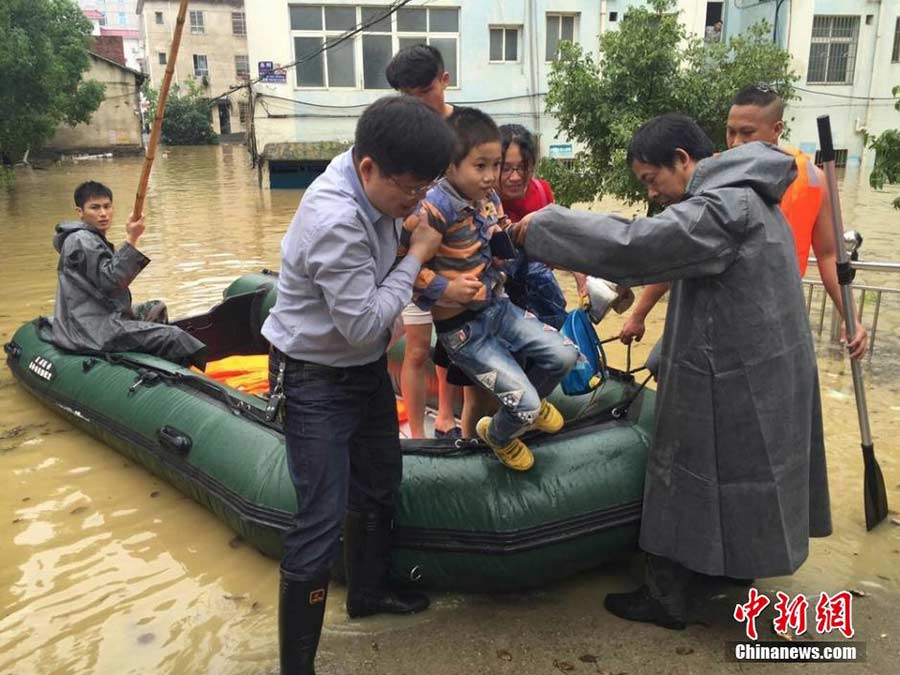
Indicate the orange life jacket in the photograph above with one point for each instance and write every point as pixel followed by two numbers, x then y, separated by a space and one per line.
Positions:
pixel 801 203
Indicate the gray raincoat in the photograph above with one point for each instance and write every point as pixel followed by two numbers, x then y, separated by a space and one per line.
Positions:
pixel 93 304
pixel 736 480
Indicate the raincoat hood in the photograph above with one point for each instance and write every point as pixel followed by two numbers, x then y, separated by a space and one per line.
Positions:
pixel 66 228
pixel 762 167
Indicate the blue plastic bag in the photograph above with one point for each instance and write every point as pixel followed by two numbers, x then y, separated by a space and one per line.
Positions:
pixel 589 371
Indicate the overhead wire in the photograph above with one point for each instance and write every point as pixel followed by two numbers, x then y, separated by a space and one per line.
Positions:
pixel 847 96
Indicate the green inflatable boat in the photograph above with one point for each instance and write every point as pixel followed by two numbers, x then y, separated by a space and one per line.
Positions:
pixel 463 521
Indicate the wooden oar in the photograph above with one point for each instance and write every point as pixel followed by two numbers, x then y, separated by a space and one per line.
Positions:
pixel 874 494
pixel 160 111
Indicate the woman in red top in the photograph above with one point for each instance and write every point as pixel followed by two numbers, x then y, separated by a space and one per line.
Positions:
pixel 531 285
pixel 520 191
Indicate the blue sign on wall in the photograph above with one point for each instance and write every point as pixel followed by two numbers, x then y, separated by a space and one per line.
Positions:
pixel 268 73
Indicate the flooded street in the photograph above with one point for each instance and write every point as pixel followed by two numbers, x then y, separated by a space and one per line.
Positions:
pixel 106 569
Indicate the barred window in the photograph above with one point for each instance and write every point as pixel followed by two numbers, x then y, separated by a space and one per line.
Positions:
pixel 242 66
pixel 832 53
pixel 201 66
pixel 197 22
pixel 238 23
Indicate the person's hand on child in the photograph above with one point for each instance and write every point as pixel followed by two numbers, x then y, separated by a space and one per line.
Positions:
pixel 462 289
pixel 424 241
pixel 518 231
pixel 134 229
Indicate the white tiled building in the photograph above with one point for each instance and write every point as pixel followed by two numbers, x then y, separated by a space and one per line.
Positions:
pixel 499 55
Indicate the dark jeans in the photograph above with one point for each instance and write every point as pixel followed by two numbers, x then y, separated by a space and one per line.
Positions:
pixel 343 451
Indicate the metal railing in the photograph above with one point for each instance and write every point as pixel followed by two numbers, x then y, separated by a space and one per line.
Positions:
pixel 863 293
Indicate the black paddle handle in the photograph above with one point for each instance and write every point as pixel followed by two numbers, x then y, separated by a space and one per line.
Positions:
pixel 826 143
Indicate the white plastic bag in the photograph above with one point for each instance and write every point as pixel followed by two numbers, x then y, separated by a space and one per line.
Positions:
pixel 605 295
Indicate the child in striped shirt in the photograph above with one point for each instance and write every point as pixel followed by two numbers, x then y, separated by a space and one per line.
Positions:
pixel 483 332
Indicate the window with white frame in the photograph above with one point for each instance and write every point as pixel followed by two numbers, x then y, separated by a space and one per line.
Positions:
pixel 560 27
pixel 832 52
pixel 197 22
pixel 243 112
pixel 238 23
pixel 201 66
pixel 242 66
pixel 122 18
pixel 895 54
pixel 439 27
pixel 504 44
pixel 360 61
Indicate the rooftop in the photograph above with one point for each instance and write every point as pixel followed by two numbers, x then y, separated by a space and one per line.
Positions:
pixel 298 151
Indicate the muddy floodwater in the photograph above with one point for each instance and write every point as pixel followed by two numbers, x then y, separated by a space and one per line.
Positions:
pixel 106 569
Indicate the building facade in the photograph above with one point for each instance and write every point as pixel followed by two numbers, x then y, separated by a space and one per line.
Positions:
pixel 117 18
pixel 116 125
pixel 213 52
pixel 499 55
pixel 847 53
pixel 114 13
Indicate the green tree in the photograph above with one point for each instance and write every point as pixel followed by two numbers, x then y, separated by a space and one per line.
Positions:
pixel 187 118
pixel 43 55
pixel 887 155
pixel 647 67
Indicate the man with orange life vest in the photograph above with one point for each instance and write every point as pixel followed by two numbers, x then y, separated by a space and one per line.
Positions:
pixel 756 115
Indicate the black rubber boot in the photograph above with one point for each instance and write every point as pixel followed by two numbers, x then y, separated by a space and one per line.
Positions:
pixel 301 609
pixel 367 551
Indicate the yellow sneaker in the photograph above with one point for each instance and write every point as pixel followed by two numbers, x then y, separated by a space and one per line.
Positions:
pixel 514 454
pixel 549 419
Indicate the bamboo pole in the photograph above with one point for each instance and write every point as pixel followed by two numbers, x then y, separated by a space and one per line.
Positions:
pixel 160 111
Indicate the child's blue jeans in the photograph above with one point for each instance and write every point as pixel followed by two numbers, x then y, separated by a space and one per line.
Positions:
pixel 490 346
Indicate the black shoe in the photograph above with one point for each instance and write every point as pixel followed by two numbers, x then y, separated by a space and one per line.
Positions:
pixel 367 603
pixel 301 609
pixel 366 562
pixel 639 605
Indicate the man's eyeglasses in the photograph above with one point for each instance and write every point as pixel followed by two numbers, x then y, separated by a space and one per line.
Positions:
pixel 417 192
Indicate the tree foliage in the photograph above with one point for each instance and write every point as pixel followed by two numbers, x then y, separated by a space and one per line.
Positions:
pixel 43 55
pixel 887 155
pixel 647 67
pixel 187 118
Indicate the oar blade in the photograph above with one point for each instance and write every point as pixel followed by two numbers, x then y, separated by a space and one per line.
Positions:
pixel 874 493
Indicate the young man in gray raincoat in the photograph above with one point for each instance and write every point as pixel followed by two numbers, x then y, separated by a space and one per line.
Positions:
pixel 93 304
pixel 736 480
